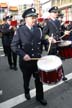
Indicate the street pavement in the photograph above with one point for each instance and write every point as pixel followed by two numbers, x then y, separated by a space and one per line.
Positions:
pixel 12 94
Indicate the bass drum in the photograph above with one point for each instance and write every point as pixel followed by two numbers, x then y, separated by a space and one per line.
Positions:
pixel 50 69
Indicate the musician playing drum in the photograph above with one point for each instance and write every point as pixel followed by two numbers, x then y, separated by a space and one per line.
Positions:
pixel 27 44
pixel 67 26
pixel 53 30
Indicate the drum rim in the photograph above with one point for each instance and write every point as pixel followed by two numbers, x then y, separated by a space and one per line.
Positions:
pixel 65 45
pixel 46 70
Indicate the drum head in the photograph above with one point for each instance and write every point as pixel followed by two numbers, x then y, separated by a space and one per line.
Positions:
pixel 49 63
pixel 64 43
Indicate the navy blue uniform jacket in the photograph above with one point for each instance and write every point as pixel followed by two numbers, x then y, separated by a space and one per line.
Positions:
pixel 27 42
pixel 52 27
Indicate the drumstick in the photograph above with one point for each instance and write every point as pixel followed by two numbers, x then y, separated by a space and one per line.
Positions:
pixel 49 45
pixel 35 58
pixel 64 35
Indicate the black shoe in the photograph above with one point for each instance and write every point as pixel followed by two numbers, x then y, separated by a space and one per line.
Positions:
pixel 64 78
pixel 42 101
pixel 15 68
pixel 27 96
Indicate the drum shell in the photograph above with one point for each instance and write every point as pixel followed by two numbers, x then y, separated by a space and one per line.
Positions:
pixel 51 77
pixel 50 69
pixel 65 51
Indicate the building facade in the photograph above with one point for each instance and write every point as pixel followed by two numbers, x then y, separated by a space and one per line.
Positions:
pixel 46 5
pixel 17 11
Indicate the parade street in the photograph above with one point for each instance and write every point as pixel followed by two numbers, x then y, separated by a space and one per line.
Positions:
pixel 36 39
pixel 12 94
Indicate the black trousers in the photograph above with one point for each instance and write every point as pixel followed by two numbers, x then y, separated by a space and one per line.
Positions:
pixel 30 68
pixel 44 43
pixel 12 57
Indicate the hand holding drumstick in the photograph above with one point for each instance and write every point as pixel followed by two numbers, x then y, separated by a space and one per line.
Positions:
pixel 66 33
pixel 51 40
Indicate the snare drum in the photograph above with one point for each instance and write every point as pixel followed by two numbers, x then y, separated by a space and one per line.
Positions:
pixel 65 49
pixel 50 69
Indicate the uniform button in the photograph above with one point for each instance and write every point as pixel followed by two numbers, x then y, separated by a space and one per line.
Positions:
pixel 32 43
pixel 39 43
pixel 32 49
pixel 32 54
pixel 38 48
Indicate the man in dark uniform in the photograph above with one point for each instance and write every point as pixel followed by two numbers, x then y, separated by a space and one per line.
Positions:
pixel 4 31
pixel 27 44
pixel 67 27
pixel 7 35
pixel 53 30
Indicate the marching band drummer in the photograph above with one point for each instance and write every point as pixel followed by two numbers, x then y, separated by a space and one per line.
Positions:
pixel 27 44
pixel 53 30
pixel 67 27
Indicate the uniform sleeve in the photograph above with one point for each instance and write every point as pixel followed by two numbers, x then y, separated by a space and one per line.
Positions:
pixel 5 29
pixel 45 29
pixel 45 32
pixel 16 44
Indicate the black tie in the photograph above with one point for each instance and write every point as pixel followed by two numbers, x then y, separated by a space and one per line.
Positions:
pixel 32 29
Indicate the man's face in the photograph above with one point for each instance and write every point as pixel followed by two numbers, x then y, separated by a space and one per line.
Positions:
pixel 31 21
pixel 54 14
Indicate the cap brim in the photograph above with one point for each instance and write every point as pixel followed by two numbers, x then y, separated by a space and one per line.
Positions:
pixel 54 11
pixel 32 14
